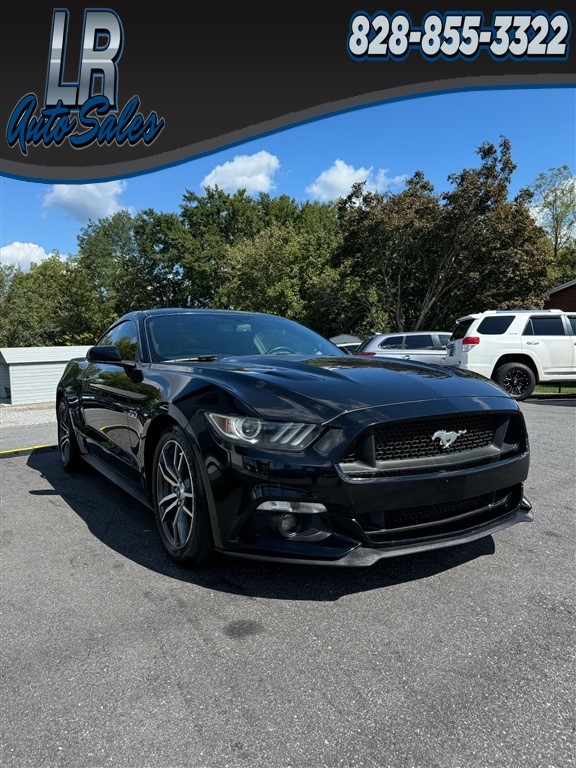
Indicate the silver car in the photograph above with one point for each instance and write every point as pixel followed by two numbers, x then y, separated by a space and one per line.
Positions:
pixel 422 346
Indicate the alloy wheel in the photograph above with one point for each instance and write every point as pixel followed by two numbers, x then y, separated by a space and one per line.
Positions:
pixel 516 382
pixel 175 494
pixel 64 434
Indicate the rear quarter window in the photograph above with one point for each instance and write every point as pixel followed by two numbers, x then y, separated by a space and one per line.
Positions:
pixel 496 325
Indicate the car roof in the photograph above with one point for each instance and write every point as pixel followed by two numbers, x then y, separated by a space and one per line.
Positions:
pixel 407 333
pixel 191 311
pixel 488 312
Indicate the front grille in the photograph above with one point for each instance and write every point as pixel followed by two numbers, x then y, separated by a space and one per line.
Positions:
pixel 439 519
pixel 415 447
pixel 414 440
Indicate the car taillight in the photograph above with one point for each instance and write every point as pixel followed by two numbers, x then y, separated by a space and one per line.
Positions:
pixel 365 354
pixel 470 341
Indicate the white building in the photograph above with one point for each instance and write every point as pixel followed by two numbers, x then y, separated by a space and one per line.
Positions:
pixel 30 374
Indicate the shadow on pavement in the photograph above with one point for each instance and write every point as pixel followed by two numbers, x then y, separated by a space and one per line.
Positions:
pixel 129 528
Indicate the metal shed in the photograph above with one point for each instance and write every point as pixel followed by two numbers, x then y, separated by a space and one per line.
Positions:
pixel 30 374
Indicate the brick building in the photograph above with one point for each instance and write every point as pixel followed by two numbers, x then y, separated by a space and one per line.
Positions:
pixel 562 297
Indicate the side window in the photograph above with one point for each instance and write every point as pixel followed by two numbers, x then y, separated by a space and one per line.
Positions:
pixel 125 337
pixel 422 341
pixel 392 342
pixel 496 324
pixel 544 326
pixel 572 321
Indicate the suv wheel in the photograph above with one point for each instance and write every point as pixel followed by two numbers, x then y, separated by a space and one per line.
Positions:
pixel 517 379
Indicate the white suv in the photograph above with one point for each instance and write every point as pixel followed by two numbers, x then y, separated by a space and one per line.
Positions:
pixel 517 349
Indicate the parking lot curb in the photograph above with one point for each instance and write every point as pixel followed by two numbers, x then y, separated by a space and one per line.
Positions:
pixel 11 452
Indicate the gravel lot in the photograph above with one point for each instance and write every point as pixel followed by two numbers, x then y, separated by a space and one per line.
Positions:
pixel 23 426
pixel 113 656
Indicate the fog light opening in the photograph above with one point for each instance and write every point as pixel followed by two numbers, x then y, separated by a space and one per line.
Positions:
pixel 293 520
pixel 288 524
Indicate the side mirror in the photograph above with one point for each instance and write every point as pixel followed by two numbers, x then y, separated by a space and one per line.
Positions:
pixel 104 354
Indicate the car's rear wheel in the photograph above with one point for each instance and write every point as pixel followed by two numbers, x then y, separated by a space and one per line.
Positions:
pixel 517 379
pixel 180 504
pixel 67 444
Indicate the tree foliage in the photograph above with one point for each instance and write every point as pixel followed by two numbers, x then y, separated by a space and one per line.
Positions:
pixel 285 269
pixel 411 260
pixel 51 304
pixel 429 258
pixel 554 207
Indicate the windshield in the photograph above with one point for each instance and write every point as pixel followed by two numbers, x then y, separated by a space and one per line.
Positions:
pixel 191 335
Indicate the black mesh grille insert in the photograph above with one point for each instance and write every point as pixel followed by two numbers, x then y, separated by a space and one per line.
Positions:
pixel 414 440
pixel 350 456
pixel 403 518
pixel 437 520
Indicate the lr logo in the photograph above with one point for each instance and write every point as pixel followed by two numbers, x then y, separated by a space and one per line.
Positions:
pixel 87 111
pixel 101 48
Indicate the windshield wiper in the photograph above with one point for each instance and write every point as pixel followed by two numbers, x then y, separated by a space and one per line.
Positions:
pixel 199 359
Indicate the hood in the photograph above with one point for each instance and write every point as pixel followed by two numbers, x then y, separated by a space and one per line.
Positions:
pixel 319 389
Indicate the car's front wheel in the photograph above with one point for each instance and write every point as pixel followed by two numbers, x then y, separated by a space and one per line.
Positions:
pixel 180 504
pixel 517 379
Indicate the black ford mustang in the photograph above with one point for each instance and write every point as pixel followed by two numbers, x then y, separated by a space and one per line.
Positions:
pixel 250 434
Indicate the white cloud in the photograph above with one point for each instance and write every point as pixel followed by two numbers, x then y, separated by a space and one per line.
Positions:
pixel 254 173
pixel 22 254
pixel 337 181
pixel 86 201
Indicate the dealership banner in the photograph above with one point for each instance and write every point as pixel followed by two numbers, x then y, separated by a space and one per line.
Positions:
pixel 95 92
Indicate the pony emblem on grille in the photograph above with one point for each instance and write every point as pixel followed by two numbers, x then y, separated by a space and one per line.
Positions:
pixel 447 438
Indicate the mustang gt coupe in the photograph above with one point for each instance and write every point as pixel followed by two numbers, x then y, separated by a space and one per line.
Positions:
pixel 251 435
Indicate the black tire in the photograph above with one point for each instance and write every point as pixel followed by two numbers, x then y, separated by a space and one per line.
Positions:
pixel 517 379
pixel 70 455
pixel 180 505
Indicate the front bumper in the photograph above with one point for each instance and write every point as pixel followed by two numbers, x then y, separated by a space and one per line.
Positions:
pixel 368 515
pixel 370 519
pixel 355 554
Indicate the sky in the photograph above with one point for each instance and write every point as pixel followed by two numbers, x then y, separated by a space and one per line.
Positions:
pixel 319 160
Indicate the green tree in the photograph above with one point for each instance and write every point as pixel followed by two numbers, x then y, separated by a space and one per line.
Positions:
pixel 554 206
pixel 108 253
pixel 216 221
pixel 285 269
pixel 134 262
pixel 51 304
pixel 424 259
pixel 7 272
pixel 388 254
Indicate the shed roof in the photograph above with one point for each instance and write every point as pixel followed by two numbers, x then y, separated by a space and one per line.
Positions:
pixel 16 355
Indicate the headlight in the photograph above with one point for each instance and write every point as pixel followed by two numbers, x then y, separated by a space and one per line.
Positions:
pixel 280 436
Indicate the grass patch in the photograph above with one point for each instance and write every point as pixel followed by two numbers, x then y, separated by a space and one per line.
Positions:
pixel 554 389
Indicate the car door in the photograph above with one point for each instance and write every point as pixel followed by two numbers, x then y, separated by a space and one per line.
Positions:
pixel 420 347
pixel 545 338
pixel 108 392
pixel 390 346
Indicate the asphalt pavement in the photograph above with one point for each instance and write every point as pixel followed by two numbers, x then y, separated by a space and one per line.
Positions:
pixel 114 656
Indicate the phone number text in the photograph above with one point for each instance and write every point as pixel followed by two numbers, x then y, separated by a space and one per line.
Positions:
pixel 451 35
